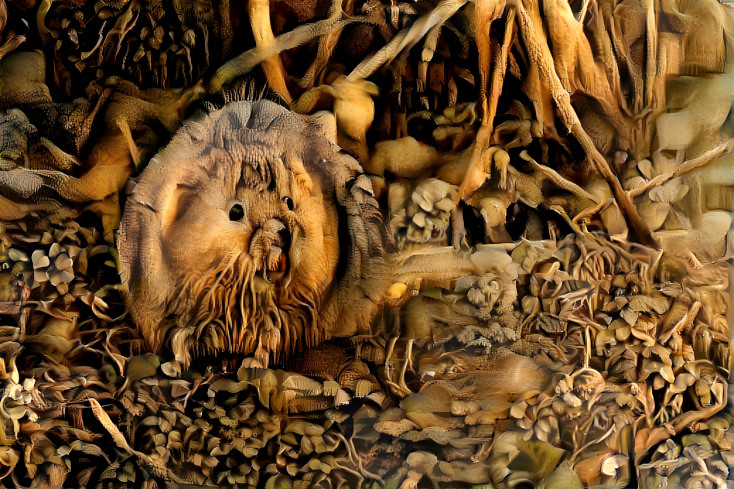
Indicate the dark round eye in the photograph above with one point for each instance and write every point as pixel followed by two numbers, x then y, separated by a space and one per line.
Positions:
pixel 236 212
pixel 289 202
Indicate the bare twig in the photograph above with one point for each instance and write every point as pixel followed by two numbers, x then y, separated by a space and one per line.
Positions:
pixel 259 13
pixel 476 173
pixel 684 168
pixel 406 38
pixel 540 55
pixel 246 61
pixel 556 178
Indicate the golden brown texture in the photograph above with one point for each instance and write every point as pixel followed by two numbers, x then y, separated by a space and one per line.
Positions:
pixel 528 336
pixel 251 233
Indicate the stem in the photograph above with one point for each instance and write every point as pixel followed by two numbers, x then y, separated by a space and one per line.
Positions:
pixel 684 168
pixel 539 54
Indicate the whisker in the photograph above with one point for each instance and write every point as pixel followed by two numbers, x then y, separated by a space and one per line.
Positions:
pixel 231 312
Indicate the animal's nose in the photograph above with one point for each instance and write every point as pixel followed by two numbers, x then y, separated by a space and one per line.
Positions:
pixel 269 249
pixel 275 233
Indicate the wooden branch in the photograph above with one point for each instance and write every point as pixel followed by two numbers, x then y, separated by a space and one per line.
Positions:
pixel 556 178
pixel 242 64
pixel 684 168
pixel 476 173
pixel 406 38
pixel 259 13
pixel 652 51
pixel 540 55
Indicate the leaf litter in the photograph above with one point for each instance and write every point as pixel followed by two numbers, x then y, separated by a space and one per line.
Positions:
pixel 587 343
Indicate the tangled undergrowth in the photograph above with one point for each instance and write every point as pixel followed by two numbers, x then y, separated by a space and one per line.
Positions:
pixel 571 155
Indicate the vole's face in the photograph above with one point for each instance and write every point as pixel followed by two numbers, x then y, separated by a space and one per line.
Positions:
pixel 230 241
pixel 269 216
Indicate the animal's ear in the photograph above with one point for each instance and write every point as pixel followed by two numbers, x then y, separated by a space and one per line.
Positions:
pixel 157 199
pixel 301 176
pixel 143 268
pixel 148 209
pixel 327 121
pixel 357 295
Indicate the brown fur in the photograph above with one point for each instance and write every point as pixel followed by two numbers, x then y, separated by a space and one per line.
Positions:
pixel 201 283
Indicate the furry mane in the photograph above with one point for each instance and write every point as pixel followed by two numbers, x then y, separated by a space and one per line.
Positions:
pixel 252 233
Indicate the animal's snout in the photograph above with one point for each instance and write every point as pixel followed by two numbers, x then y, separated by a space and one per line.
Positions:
pixel 278 234
pixel 269 248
